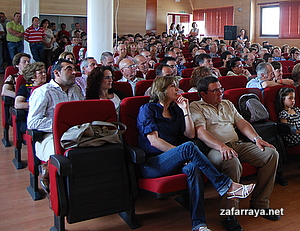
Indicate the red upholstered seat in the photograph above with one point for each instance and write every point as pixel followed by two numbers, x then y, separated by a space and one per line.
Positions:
pixel 118 75
pixel 142 86
pixel 151 74
pixel 189 64
pixel 10 70
pixel 230 82
pixel 223 71
pixel 234 94
pixel 160 187
pixel 184 84
pixel 287 63
pixel 88 182
pixel 124 87
pixel 187 73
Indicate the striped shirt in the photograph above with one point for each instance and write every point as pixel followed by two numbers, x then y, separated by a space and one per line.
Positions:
pixel 34 35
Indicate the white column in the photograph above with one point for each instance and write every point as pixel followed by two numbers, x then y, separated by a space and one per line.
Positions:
pixel 30 8
pixel 99 27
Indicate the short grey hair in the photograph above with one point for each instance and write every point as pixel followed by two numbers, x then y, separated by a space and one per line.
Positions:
pixel 262 68
pixel 104 56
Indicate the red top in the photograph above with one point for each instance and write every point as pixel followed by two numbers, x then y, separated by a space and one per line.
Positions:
pixel 34 35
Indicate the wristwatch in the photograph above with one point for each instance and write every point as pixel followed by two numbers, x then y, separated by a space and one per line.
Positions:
pixel 256 138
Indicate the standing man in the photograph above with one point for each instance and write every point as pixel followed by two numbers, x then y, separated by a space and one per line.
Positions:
pixel 14 37
pixel 35 36
pixel 77 28
pixel 2 32
pixel 3 22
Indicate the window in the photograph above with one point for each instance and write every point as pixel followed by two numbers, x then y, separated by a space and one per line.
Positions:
pixel 269 21
pixel 214 20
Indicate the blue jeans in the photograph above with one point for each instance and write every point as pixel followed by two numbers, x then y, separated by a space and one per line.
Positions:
pixel 15 48
pixel 37 51
pixel 172 161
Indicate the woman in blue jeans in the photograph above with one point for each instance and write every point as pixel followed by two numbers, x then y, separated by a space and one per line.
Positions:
pixel 161 123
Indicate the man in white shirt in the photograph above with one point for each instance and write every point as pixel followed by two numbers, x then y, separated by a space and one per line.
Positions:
pixel 128 70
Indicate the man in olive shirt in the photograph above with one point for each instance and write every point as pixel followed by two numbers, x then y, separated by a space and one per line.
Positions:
pixel 14 36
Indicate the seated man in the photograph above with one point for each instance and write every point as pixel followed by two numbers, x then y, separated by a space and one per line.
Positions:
pixel 295 54
pixel 215 122
pixel 276 53
pixel 265 77
pixel 172 63
pixel 176 53
pixel 128 70
pixel 120 54
pixel 107 59
pixel 147 55
pixel 42 102
pixel 74 42
pixel 205 60
pixel 142 64
pixel 86 66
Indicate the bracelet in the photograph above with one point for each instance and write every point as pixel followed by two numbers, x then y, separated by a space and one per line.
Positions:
pixel 256 138
pixel 187 114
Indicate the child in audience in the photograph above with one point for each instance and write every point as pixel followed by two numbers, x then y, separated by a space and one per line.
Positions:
pixel 288 113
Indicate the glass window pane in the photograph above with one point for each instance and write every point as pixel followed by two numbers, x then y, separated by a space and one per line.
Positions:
pixel 270 21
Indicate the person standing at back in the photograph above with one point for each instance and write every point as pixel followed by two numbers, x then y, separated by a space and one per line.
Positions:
pixel 35 36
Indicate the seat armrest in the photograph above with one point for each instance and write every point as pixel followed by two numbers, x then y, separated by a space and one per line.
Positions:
pixel 136 154
pixel 62 163
pixel 36 135
pixel 8 100
pixel 20 114
pixel 285 128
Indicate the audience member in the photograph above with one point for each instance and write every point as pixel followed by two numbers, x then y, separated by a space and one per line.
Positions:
pixel 128 70
pixel 42 102
pixel 20 60
pixel 142 64
pixel 161 123
pixel 14 37
pixel 235 67
pixel 268 57
pixel 265 77
pixel 35 36
pixel 216 121
pixel 2 32
pixel 289 114
pixel 68 56
pixel 121 53
pixel 206 61
pixel 172 31
pixel 147 55
pixel 194 31
pixel 276 53
pixel 34 75
pixel 193 48
pixel 100 86
pixel 74 42
pixel 86 67
pixel 197 74
pixel 242 38
pixel 49 40
pixel 132 49
pixel 295 54
pixel 77 29
pixel 296 74
pixel 107 59
pixel 63 31
pixel 180 60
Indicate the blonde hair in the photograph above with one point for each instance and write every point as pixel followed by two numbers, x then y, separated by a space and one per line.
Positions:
pixel 159 86
pixel 29 71
pixel 296 72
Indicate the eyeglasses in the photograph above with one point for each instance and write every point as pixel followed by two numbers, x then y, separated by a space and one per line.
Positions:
pixel 131 66
pixel 241 65
pixel 217 90
pixel 41 72
pixel 172 66
pixel 109 77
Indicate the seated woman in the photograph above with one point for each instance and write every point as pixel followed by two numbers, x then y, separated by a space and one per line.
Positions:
pixel 132 49
pixel 68 56
pixel 235 67
pixel 20 60
pixel 278 73
pixel 198 73
pixel 161 123
pixel 100 86
pixel 193 48
pixel 34 75
pixel 296 75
